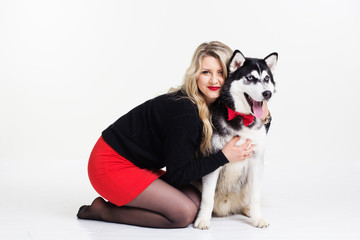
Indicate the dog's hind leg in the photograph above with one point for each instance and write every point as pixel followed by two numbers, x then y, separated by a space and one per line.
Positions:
pixel 244 195
pixel 246 211
pixel 207 200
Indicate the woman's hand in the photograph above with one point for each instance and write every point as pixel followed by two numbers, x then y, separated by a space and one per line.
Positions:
pixel 238 153
pixel 266 111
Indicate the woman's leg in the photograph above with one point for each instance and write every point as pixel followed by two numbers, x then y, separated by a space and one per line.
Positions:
pixel 160 205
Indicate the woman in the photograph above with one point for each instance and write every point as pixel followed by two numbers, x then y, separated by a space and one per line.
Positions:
pixel 172 131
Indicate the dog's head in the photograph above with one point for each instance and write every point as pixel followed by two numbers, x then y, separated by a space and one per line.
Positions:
pixel 250 82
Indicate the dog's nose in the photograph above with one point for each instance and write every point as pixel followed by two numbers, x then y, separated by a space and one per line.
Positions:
pixel 267 95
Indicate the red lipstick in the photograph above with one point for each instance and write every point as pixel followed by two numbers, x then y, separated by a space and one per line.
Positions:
pixel 213 88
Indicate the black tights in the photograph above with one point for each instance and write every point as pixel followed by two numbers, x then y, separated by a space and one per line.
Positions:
pixel 159 205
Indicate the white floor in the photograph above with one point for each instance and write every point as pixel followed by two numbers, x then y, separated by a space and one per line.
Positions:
pixel 303 201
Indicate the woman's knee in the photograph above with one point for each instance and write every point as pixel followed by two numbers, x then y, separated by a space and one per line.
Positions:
pixel 185 215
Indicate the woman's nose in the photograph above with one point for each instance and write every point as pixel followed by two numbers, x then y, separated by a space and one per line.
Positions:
pixel 214 78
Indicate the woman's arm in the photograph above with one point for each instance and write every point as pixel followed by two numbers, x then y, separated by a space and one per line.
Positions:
pixel 182 165
pixel 182 140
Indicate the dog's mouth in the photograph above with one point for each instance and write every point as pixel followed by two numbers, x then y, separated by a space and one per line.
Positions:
pixel 256 107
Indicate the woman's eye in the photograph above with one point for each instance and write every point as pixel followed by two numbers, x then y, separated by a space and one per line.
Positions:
pixel 221 73
pixel 250 78
pixel 205 72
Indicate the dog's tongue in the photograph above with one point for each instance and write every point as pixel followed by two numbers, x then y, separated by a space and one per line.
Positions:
pixel 257 108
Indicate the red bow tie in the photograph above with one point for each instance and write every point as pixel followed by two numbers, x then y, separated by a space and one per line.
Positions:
pixel 247 118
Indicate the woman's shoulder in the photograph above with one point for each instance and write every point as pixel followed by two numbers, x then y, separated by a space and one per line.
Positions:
pixel 176 99
pixel 177 104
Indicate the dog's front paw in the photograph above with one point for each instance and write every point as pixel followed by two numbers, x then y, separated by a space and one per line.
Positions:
pixel 260 223
pixel 202 223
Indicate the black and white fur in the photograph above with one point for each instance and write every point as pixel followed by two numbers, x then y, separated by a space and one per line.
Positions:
pixel 236 187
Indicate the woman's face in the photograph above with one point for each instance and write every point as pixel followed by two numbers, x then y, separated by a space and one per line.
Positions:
pixel 210 79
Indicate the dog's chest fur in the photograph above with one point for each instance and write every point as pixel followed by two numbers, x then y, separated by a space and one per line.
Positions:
pixel 233 176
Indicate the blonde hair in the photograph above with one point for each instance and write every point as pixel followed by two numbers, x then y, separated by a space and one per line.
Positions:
pixel 219 51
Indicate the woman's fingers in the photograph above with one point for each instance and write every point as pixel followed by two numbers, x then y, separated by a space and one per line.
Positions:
pixel 238 153
pixel 234 140
pixel 246 144
pixel 247 149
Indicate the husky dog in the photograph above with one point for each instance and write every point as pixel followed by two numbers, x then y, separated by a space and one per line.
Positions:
pixel 236 187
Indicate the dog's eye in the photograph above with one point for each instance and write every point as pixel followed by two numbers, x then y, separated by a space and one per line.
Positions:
pixel 267 78
pixel 250 77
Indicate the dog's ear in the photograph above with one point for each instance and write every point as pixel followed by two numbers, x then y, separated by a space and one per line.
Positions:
pixel 236 61
pixel 271 60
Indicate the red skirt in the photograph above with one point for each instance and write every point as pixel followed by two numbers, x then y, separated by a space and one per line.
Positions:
pixel 115 178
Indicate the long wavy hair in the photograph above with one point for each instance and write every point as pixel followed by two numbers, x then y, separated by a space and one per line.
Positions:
pixel 190 87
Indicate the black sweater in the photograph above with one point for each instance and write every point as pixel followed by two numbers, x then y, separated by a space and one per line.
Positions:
pixel 165 131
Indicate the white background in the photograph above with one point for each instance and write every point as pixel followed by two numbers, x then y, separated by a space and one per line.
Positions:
pixel 68 69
